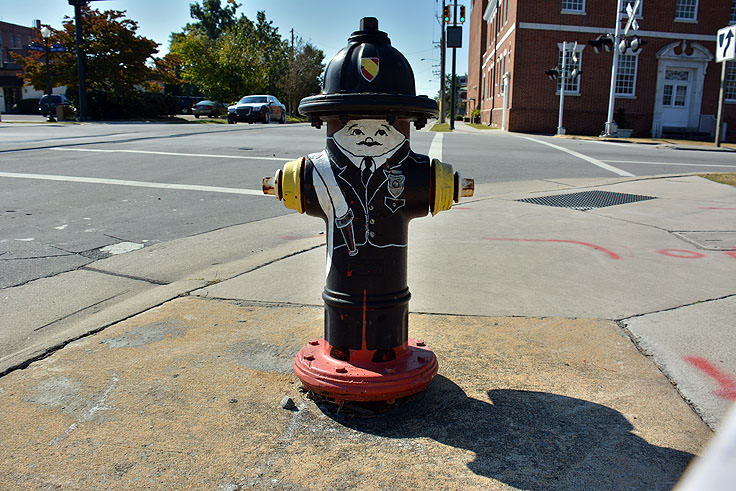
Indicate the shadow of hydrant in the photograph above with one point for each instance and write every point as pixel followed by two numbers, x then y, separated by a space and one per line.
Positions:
pixel 532 440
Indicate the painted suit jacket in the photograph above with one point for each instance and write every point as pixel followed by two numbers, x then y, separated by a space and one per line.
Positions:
pixel 397 192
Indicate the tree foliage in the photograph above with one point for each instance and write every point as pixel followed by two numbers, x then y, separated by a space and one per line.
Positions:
pixel 115 56
pixel 303 77
pixel 228 57
pixel 212 17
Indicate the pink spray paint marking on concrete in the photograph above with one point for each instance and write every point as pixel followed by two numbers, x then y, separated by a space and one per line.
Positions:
pixel 726 383
pixel 609 253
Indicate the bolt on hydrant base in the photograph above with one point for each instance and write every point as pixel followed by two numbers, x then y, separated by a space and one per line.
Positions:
pixel 367 185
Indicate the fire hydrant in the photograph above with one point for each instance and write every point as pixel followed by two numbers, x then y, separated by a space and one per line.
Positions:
pixel 367 185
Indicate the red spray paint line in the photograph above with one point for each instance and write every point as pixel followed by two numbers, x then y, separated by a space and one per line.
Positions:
pixel 610 254
pixel 727 385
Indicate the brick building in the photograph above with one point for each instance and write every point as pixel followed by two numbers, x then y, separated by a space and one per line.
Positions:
pixel 669 86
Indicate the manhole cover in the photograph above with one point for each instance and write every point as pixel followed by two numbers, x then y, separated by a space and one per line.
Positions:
pixel 713 241
pixel 587 200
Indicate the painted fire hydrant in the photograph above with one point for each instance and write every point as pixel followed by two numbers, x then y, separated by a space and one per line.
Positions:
pixel 367 185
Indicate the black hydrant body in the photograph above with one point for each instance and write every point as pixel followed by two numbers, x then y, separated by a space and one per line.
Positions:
pixel 367 185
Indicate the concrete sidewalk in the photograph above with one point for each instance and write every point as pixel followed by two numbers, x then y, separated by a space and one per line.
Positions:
pixel 530 308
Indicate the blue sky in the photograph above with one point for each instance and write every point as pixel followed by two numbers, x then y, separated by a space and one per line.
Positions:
pixel 411 24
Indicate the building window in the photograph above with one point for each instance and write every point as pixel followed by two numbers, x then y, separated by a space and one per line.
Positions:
pixel 500 75
pixel 730 88
pixel 626 75
pixel 686 10
pixel 733 11
pixel 632 2
pixel 577 6
pixel 572 86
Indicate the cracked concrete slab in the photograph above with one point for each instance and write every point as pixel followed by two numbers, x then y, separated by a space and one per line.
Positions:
pixel 696 347
pixel 183 394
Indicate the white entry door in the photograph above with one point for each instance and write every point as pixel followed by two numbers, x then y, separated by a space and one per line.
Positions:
pixel 676 95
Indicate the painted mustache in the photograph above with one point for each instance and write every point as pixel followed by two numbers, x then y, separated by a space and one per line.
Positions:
pixel 370 143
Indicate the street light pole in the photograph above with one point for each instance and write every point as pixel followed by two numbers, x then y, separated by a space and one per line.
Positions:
pixel 563 80
pixel 452 93
pixel 80 57
pixel 442 62
pixel 610 129
pixel 45 34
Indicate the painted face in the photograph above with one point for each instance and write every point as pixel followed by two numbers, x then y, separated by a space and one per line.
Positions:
pixel 368 137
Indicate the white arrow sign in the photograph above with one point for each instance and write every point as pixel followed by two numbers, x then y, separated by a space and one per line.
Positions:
pixel 726 44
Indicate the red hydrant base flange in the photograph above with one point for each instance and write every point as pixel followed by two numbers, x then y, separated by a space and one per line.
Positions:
pixel 365 381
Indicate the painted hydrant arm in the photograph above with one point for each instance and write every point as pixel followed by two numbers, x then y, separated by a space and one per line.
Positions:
pixel 446 187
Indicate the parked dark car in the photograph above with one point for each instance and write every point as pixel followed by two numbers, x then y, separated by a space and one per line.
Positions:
pixel 212 109
pixel 186 102
pixel 252 108
pixel 54 100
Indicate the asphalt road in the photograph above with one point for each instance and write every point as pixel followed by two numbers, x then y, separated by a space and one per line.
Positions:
pixel 71 191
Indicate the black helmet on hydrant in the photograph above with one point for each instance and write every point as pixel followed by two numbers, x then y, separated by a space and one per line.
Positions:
pixel 369 78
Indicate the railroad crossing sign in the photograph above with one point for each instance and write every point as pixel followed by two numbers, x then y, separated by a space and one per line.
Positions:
pixel 632 12
pixel 726 44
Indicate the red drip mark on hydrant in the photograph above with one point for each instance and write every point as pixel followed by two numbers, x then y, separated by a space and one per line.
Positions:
pixel 610 254
pixel 727 389
pixel 365 302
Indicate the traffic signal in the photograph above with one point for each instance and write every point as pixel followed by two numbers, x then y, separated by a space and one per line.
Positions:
pixel 553 73
pixel 601 43
pixel 575 73
pixel 462 13
pixel 636 44
pixel 446 14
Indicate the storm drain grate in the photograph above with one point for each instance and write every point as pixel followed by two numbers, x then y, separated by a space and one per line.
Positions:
pixel 587 200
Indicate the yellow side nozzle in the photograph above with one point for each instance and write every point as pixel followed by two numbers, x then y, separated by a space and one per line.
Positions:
pixel 443 187
pixel 290 184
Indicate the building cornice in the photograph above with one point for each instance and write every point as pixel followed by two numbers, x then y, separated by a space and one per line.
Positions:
pixel 601 30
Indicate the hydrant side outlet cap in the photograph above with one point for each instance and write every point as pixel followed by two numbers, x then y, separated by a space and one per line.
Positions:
pixel 369 77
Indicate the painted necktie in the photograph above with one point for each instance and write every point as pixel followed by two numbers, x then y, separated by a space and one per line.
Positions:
pixel 367 170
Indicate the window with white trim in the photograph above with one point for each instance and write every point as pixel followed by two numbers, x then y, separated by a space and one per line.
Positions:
pixel 686 10
pixel 730 86
pixel 573 6
pixel 626 75
pixel 572 86
pixel 632 2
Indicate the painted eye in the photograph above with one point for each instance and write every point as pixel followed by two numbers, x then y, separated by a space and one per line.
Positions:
pixel 381 133
pixel 357 132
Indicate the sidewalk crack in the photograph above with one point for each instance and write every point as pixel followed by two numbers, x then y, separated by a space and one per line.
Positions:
pixel 707 300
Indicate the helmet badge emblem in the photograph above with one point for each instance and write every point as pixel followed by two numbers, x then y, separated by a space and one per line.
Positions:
pixel 369 68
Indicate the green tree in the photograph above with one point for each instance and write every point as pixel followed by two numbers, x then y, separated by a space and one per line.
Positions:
pixel 212 17
pixel 303 77
pixel 245 58
pixel 115 56
pixel 459 104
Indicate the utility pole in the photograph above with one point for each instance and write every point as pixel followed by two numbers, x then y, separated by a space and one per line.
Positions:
pixel 291 75
pixel 442 62
pixel 452 93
